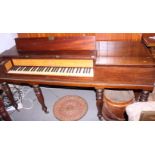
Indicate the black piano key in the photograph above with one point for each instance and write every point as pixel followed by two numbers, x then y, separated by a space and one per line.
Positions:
pixel 77 70
pixel 55 69
pixel 52 69
pixel 68 69
pixel 31 68
pixel 25 69
pixel 84 70
pixel 72 70
pixel 80 69
pixel 58 69
pixel 21 69
pixel 28 68
pixel 14 68
pixel 42 68
pixel 64 69
pixel 18 69
pixel 34 69
pixel 61 69
pixel 37 69
pixel 89 69
pixel 46 69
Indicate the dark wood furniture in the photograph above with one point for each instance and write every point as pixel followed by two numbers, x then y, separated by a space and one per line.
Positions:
pixel 147 116
pixel 149 41
pixel 3 113
pixel 117 65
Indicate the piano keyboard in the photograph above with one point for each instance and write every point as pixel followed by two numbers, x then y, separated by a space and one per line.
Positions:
pixel 55 71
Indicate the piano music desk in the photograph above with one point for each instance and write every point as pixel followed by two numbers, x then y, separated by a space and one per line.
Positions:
pixel 119 65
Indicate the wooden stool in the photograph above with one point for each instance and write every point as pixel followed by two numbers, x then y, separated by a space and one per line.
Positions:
pixel 115 102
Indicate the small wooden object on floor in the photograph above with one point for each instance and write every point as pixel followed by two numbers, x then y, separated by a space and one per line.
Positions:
pixel 115 102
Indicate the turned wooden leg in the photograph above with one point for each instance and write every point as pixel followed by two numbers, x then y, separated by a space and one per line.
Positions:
pixel 99 102
pixel 40 97
pixel 4 114
pixel 144 96
pixel 8 92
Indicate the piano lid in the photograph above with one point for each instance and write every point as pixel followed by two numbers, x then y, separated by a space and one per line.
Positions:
pixel 58 47
pixel 56 43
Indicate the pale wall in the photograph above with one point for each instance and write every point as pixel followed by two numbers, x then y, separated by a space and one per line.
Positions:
pixel 7 41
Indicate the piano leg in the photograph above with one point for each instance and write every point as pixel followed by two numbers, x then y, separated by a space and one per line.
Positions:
pixel 40 97
pixel 99 103
pixel 4 114
pixel 144 96
pixel 8 92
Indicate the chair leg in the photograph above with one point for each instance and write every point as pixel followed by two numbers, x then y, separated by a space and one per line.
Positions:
pixel 4 114
pixel 144 96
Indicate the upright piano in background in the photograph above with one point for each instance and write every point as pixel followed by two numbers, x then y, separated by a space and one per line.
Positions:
pixel 78 62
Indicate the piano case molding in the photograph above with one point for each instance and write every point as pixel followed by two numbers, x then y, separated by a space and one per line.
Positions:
pixel 99 36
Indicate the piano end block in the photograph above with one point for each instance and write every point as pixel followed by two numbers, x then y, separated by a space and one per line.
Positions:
pixel 7 65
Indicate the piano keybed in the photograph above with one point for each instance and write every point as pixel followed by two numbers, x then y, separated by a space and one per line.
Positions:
pixel 80 69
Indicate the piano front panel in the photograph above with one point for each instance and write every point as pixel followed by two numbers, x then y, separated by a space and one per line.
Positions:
pixel 53 62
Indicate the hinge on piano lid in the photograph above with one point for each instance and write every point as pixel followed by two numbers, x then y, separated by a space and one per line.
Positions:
pixel 50 38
